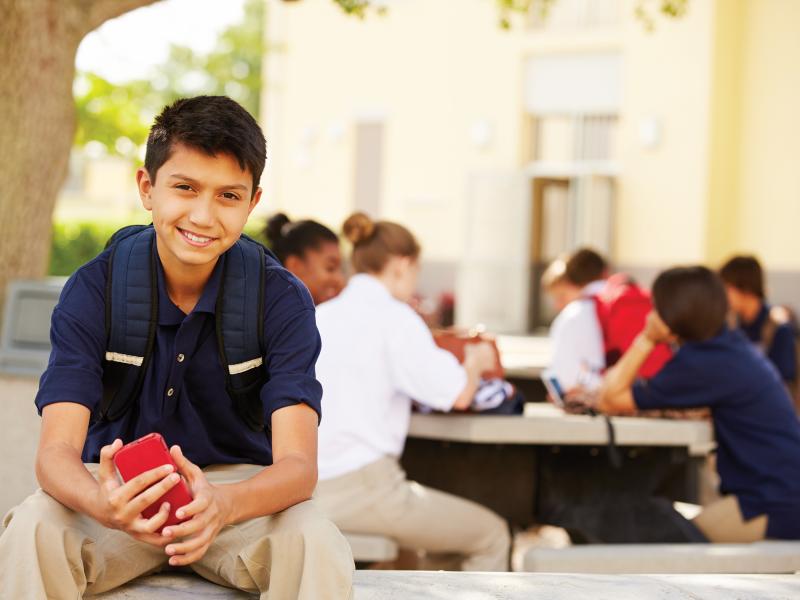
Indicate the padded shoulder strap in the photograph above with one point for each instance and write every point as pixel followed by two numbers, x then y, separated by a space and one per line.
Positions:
pixel 131 317
pixel 240 324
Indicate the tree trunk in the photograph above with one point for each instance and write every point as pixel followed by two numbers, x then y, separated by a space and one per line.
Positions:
pixel 38 43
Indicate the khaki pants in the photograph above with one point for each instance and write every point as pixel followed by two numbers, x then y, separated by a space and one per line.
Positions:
pixel 51 552
pixel 378 499
pixel 722 522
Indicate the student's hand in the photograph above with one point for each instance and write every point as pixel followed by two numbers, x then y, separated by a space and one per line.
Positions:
pixel 120 505
pixel 207 514
pixel 579 401
pixel 655 329
pixel 480 355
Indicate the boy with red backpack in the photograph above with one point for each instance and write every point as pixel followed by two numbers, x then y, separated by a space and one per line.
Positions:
pixel 599 318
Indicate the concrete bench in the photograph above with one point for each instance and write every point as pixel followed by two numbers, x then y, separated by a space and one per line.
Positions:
pixel 371 548
pixel 759 557
pixel 25 337
pixel 419 585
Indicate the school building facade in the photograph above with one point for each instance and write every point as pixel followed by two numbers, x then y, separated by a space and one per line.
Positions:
pixel 500 149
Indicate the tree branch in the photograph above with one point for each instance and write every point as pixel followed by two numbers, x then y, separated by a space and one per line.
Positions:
pixel 101 11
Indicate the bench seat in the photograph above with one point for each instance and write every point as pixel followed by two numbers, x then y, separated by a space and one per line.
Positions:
pixel 759 557
pixel 440 585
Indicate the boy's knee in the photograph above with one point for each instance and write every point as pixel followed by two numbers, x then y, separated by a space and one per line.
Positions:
pixel 36 509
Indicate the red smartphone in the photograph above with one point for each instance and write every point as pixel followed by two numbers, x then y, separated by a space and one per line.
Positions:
pixel 147 453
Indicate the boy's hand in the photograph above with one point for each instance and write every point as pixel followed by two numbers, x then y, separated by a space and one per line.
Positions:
pixel 655 329
pixel 207 514
pixel 120 505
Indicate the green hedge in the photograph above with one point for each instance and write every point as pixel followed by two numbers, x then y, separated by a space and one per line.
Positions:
pixel 76 243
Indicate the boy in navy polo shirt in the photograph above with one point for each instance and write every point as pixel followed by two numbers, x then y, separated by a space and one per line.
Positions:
pixel 757 431
pixel 251 524
pixel 769 328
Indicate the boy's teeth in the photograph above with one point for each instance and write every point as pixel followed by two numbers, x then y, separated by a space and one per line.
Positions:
pixel 196 238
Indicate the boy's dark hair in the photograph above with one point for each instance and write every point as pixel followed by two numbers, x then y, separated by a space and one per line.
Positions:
pixel 211 124
pixel 691 301
pixel 745 274
pixel 287 238
pixel 585 266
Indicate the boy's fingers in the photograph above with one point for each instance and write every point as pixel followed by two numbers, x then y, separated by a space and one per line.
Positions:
pixel 144 480
pixel 107 469
pixel 153 493
pixel 155 522
pixel 194 507
pixel 184 529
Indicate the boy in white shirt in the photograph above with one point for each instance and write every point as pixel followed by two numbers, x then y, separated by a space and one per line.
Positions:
pixel 577 338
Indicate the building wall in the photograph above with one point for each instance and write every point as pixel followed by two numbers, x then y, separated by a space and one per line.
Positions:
pixel 706 137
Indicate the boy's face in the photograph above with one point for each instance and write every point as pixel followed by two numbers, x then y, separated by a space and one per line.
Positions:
pixel 562 293
pixel 199 203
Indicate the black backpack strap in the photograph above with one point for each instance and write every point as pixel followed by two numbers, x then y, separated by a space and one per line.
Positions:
pixel 131 318
pixel 240 325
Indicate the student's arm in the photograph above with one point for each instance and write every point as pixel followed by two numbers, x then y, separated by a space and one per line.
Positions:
pixel 477 359
pixel 615 396
pixel 289 480
pixel 62 474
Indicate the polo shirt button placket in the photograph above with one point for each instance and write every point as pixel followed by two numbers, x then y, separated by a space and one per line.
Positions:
pixel 170 392
pixel 180 358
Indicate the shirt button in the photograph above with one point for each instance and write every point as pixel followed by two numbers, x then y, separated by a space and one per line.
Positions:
pixel 170 392
pixel 181 357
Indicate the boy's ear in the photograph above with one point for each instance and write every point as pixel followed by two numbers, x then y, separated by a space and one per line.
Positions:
pixel 254 200
pixel 145 187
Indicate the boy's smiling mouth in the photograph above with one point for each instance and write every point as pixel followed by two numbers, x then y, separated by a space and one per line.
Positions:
pixel 195 239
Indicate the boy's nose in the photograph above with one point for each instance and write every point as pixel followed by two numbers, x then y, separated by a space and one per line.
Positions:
pixel 202 212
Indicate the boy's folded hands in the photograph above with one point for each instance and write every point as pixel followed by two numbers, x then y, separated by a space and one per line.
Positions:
pixel 119 506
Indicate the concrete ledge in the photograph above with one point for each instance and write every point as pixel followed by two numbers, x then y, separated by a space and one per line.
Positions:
pixel 371 548
pixel 419 585
pixel 760 557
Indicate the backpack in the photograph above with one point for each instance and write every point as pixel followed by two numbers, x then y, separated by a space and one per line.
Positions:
pixel 131 318
pixel 622 308
pixel 780 315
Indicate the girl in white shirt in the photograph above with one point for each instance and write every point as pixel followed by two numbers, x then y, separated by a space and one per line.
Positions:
pixel 378 354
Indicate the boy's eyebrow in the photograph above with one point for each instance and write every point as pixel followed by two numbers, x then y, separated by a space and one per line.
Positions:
pixel 232 186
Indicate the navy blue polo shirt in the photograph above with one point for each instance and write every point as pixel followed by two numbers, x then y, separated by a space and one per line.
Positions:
pixel 198 415
pixel 757 430
pixel 782 350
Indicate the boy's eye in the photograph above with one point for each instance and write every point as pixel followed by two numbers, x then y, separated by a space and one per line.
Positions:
pixel 230 196
pixel 184 186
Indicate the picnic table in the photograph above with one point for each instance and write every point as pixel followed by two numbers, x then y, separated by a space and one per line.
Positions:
pixel 523 466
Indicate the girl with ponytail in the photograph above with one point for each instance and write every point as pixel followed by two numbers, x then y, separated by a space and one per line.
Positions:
pixel 377 354
pixel 310 251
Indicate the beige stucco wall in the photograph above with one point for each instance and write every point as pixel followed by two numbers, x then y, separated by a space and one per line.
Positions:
pixel 721 83
pixel 769 157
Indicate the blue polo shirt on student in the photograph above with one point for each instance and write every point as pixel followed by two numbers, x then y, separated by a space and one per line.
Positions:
pixel 757 431
pixel 183 396
pixel 782 350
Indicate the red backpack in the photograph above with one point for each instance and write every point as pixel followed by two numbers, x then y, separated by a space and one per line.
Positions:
pixel 622 308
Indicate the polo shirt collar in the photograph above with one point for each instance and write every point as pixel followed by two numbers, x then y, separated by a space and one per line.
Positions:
pixel 170 314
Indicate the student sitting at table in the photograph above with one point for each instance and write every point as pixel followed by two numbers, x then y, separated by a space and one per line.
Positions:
pixel 577 339
pixel 378 354
pixel 758 434
pixel 770 328
pixel 310 251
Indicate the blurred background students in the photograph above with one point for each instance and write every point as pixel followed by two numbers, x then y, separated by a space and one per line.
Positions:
pixel 310 251
pixel 757 431
pixel 771 328
pixel 378 354
pixel 577 339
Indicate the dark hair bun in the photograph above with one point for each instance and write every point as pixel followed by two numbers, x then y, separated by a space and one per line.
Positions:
pixel 358 227
pixel 275 225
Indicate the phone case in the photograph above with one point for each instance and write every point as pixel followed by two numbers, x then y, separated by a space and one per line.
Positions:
pixel 147 453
